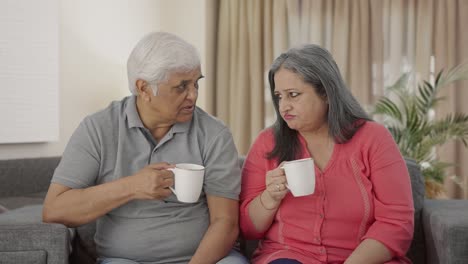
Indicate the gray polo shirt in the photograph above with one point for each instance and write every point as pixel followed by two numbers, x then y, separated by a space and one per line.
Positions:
pixel 113 143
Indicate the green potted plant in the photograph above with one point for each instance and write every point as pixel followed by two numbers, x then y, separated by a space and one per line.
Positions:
pixel 408 112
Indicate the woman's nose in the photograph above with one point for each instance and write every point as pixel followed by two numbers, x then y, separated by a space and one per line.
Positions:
pixel 284 105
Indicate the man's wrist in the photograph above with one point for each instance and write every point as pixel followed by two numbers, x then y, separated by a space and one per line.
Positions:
pixel 127 188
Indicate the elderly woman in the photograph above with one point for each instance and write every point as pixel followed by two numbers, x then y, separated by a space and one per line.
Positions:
pixel 115 167
pixel 361 210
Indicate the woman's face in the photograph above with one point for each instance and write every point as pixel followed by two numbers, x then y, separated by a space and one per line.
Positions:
pixel 299 105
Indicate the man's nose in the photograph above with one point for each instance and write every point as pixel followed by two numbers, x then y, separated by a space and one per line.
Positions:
pixel 192 93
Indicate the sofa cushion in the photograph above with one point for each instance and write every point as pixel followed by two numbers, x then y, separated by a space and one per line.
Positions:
pixel 14 202
pixel 27 215
pixel 35 172
pixel 24 215
pixel 3 209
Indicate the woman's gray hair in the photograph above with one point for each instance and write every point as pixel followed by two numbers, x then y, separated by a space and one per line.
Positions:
pixel 317 67
pixel 158 54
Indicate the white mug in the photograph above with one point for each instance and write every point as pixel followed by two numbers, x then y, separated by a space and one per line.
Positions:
pixel 188 182
pixel 300 175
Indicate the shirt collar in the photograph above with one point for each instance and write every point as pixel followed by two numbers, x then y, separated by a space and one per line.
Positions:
pixel 181 127
pixel 133 118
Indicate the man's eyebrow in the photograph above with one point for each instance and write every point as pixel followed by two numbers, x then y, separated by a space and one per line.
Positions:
pixel 184 82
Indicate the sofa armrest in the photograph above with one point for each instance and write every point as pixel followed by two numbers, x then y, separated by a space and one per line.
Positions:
pixel 23 243
pixel 446 231
pixel 26 239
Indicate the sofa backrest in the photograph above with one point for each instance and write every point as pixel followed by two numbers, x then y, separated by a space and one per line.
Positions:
pixel 417 251
pixel 24 176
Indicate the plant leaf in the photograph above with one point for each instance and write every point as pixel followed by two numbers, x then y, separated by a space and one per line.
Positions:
pixel 406 111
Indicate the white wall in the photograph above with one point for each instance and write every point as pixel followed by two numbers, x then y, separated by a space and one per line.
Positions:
pixel 96 38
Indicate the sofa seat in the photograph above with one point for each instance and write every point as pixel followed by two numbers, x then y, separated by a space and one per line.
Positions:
pixel 14 202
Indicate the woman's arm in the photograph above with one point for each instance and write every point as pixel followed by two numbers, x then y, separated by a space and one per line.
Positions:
pixel 259 202
pixel 370 251
pixel 263 208
pixel 391 233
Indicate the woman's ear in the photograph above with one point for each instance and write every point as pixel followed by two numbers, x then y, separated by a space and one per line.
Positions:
pixel 144 90
pixel 325 98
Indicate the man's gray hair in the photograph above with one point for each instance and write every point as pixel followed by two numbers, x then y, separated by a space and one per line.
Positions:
pixel 158 54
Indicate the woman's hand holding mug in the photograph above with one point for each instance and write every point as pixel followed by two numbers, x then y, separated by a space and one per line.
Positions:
pixel 276 188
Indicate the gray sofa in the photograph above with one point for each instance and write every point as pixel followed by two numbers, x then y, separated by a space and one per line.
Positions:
pixel 441 226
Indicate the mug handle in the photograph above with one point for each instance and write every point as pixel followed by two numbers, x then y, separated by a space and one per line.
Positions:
pixel 172 189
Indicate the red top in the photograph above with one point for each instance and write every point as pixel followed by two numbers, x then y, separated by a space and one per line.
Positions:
pixel 363 192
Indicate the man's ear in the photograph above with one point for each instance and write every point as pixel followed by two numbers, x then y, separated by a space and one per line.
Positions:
pixel 144 90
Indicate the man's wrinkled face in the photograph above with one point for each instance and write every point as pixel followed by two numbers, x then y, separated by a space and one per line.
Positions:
pixel 176 97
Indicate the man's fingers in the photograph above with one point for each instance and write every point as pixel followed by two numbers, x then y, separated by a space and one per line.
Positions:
pixel 167 182
pixel 165 192
pixel 165 174
pixel 161 166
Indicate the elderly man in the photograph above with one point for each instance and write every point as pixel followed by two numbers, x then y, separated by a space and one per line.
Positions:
pixel 115 167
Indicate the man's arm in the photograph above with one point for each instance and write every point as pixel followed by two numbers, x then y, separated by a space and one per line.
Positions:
pixel 222 231
pixel 75 207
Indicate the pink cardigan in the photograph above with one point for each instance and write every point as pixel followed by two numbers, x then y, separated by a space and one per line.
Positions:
pixel 363 192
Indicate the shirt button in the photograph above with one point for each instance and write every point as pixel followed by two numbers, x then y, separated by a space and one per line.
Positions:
pixel 317 239
pixel 321 215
